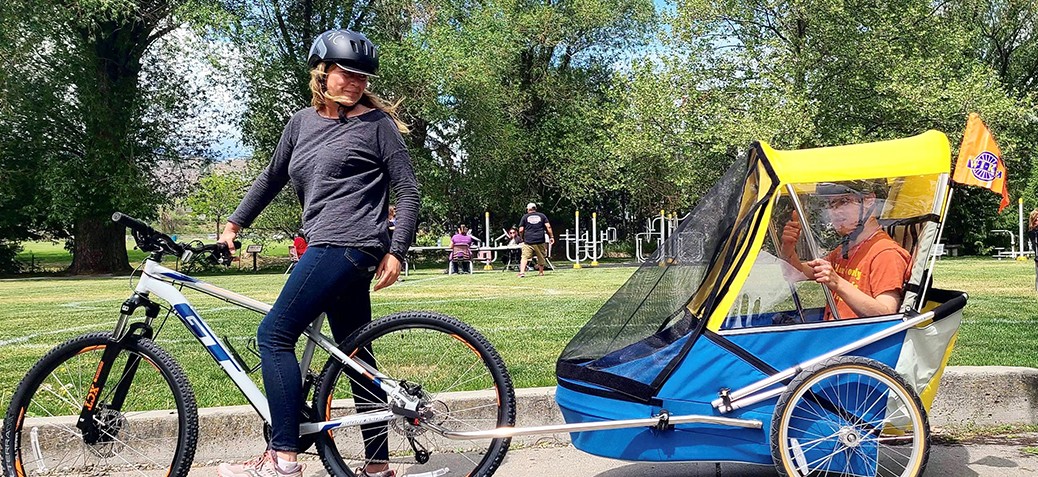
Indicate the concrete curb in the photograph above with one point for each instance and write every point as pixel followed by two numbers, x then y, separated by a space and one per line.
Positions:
pixel 985 396
pixel 969 396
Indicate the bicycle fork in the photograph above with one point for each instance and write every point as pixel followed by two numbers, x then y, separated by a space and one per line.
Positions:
pixel 88 422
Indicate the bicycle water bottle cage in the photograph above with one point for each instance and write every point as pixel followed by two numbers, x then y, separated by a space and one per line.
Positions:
pixel 251 347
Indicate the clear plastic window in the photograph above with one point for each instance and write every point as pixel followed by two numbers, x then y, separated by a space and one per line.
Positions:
pixel 843 219
pixel 775 292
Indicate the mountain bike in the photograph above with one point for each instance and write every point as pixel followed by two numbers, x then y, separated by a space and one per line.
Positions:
pixel 109 402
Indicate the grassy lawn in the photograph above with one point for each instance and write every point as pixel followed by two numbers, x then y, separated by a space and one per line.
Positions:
pixel 51 257
pixel 528 320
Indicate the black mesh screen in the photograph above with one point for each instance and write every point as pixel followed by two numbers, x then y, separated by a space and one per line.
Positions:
pixel 651 304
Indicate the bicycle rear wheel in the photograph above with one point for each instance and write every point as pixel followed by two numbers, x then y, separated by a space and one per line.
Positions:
pixel 153 432
pixel 463 385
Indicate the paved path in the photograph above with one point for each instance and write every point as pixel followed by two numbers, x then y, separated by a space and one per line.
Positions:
pixel 974 460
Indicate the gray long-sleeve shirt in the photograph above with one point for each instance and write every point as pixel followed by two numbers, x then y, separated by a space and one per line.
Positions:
pixel 342 173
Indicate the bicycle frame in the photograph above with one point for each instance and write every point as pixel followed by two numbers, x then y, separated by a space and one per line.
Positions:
pixel 159 280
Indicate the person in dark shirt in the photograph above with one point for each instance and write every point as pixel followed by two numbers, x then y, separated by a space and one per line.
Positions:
pixel 535 231
pixel 342 157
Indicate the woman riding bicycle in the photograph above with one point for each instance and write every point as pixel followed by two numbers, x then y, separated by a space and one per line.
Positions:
pixel 341 155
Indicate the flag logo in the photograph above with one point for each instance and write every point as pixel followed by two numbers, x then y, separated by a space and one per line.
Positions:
pixel 985 167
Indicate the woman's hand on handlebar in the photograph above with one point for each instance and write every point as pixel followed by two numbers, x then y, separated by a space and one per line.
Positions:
pixel 230 232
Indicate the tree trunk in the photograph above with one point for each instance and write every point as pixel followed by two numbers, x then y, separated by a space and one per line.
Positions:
pixel 99 246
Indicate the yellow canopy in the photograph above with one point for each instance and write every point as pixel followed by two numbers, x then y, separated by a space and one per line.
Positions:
pixel 917 160
pixel 927 153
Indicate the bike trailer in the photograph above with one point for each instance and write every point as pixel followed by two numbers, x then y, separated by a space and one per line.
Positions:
pixel 715 325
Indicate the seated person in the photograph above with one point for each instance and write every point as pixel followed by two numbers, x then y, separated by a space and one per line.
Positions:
pixel 512 256
pixel 867 271
pixel 299 243
pixel 513 237
pixel 461 250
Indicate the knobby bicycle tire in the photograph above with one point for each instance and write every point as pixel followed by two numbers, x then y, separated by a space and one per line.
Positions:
pixel 156 428
pixel 464 386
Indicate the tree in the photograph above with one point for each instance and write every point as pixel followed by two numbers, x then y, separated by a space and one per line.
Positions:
pixel 506 102
pixel 1003 36
pixel 806 73
pixel 93 105
pixel 216 196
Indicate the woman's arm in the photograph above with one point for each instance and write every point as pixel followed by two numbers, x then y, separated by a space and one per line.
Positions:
pixel 405 185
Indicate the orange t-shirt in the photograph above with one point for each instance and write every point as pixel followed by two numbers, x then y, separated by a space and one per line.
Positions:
pixel 875 266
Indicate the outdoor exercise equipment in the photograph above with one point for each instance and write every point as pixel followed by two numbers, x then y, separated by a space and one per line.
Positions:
pixel 587 246
pixel 657 229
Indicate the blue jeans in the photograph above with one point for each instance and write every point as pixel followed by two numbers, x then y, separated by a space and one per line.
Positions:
pixel 328 279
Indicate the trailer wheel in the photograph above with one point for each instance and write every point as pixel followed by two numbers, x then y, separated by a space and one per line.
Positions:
pixel 850 416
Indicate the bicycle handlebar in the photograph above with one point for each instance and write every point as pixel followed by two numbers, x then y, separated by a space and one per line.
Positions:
pixel 150 240
pixel 133 224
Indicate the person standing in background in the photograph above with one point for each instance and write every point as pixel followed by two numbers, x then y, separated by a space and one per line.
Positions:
pixel 534 230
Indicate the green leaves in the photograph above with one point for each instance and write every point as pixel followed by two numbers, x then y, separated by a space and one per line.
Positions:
pixel 216 196
pixel 804 73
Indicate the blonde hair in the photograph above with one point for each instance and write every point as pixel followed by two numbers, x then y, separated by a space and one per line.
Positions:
pixel 1032 220
pixel 318 77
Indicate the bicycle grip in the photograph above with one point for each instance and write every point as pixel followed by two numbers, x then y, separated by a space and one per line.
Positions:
pixel 132 223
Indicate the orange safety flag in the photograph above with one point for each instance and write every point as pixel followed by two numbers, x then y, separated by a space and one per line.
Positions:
pixel 980 161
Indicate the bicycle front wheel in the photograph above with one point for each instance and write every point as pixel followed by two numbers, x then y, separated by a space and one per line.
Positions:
pixel 462 383
pixel 152 432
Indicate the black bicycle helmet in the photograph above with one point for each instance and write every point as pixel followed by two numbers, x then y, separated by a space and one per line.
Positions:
pixel 350 50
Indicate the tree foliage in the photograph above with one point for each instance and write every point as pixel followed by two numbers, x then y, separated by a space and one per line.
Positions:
pixel 216 196
pixel 603 105
pixel 94 109
pixel 507 101
pixel 806 73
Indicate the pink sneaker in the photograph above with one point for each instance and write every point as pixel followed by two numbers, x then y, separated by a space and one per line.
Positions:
pixel 385 473
pixel 262 466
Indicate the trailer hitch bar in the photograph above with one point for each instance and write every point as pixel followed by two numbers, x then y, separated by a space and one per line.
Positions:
pixel 671 420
